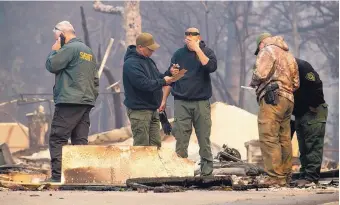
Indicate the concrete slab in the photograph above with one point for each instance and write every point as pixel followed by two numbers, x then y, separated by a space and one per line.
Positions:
pixel 116 164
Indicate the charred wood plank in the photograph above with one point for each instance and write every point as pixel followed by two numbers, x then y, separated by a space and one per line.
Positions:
pixel 201 182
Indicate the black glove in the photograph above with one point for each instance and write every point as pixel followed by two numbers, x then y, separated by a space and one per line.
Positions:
pixel 165 123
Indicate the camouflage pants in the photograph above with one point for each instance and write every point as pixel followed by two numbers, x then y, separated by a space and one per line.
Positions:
pixel 145 127
pixel 197 114
pixel 274 132
pixel 310 130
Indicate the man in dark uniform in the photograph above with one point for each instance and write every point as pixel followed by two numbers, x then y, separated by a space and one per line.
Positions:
pixel 310 111
pixel 192 94
pixel 143 85
pixel 75 92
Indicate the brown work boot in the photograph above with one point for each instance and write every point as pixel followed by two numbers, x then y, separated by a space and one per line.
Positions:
pixel 275 182
pixel 289 179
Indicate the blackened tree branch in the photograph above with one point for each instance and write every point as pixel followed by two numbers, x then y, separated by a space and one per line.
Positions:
pixel 99 6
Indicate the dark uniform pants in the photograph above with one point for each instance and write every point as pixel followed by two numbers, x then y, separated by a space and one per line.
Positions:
pixel 274 133
pixel 145 126
pixel 69 121
pixel 310 130
pixel 197 114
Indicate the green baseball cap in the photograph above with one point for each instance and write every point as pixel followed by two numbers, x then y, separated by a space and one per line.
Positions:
pixel 146 40
pixel 259 39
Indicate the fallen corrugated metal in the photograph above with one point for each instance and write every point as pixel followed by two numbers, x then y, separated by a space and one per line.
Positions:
pixel 116 164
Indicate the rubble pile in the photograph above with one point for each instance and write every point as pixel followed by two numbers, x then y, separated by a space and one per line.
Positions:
pixel 228 162
pixel 228 127
pixel 232 127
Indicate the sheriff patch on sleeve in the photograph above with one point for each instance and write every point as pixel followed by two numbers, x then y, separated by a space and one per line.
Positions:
pixel 310 76
pixel 85 56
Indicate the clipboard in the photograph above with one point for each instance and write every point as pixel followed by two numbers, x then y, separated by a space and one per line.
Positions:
pixel 179 75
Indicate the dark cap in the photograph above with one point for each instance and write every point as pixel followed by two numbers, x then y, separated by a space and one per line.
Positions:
pixel 259 39
pixel 146 40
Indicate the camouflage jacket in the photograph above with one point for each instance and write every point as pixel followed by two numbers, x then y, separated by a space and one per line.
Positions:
pixel 275 64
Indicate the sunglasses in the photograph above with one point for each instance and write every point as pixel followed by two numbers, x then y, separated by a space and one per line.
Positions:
pixel 56 29
pixel 192 33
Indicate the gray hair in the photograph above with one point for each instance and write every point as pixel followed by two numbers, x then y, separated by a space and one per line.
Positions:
pixel 64 26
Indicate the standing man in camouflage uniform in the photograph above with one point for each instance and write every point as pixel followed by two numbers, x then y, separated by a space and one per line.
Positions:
pixel 310 111
pixel 192 94
pixel 143 85
pixel 275 78
pixel 75 92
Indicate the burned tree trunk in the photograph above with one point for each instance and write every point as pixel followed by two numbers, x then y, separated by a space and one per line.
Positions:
pixel 132 21
pixel 132 24
pixel 116 97
pixel 231 71
pixel 242 77
pixel 116 101
pixel 107 73
pixel 84 25
pixel 295 29
pixel 241 35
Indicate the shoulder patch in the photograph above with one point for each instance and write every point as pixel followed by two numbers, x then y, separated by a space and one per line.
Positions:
pixel 310 76
pixel 85 56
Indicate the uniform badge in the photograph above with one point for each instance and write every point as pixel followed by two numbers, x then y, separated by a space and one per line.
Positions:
pixel 310 76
